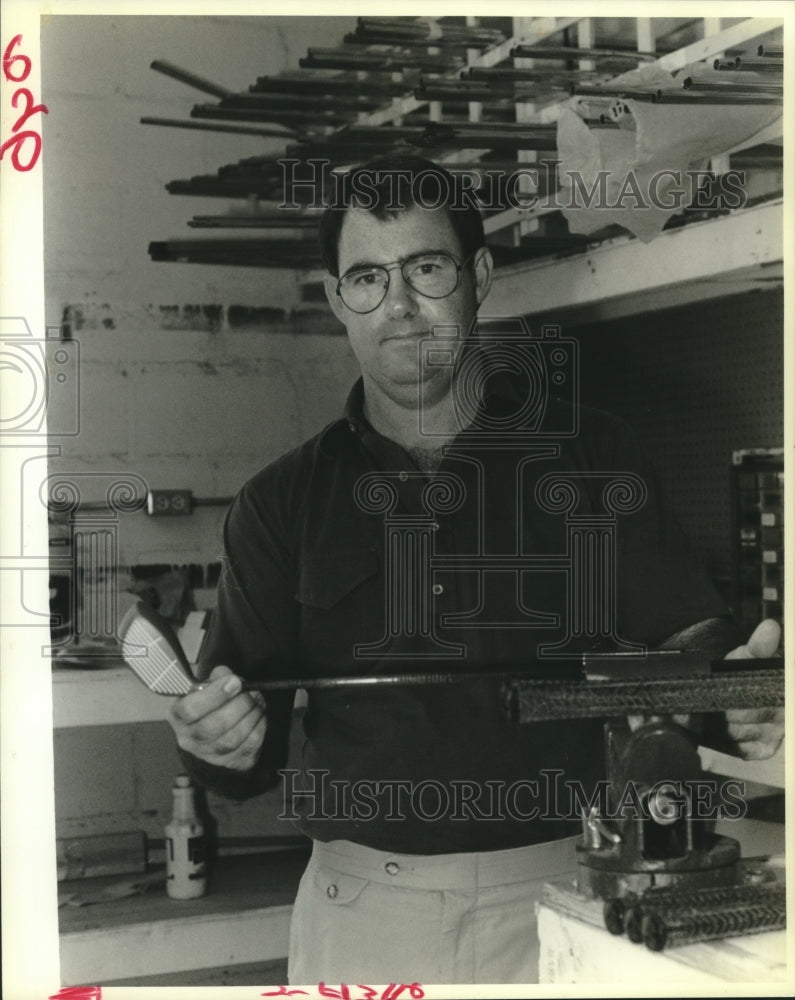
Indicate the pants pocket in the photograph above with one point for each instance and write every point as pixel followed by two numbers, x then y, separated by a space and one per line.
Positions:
pixel 349 929
pixel 321 912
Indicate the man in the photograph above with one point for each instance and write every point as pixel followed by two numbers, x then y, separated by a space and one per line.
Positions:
pixel 431 815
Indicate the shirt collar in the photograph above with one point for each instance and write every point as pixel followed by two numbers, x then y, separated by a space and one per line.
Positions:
pixel 353 421
pixel 354 408
pixel 504 393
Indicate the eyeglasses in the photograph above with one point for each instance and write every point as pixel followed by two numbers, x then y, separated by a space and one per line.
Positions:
pixel 434 275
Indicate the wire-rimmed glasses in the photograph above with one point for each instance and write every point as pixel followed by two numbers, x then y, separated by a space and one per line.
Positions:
pixel 434 275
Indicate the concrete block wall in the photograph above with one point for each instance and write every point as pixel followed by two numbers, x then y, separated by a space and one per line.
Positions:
pixel 198 410
pixel 114 779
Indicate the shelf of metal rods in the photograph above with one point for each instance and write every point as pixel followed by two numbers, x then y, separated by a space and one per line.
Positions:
pixel 538 700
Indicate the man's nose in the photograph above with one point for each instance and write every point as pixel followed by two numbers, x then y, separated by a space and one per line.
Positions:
pixel 400 299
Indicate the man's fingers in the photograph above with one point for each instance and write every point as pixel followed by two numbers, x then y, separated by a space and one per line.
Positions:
pixel 754 715
pixel 235 746
pixel 756 733
pixel 755 750
pixel 685 721
pixel 227 740
pixel 747 733
pixel 765 638
pixel 251 744
pixel 763 642
pixel 222 686
pixel 219 722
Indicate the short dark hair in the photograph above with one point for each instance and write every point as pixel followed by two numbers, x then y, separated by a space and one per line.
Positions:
pixel 395 182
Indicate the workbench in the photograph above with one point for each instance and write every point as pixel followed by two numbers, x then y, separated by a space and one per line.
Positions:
pixel 575 946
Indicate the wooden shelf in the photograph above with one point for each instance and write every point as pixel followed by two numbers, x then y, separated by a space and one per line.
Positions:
pixel 244 918
pixel 621 277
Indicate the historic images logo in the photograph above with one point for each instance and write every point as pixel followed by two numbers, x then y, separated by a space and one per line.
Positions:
pixel 315 184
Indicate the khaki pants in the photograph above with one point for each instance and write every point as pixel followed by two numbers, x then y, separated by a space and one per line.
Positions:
pixel 367 916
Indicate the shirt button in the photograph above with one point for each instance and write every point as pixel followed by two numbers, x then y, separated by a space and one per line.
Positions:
pixel 351 426
pixel 403 476
pixel 437 589
pixel 391 867
pixel 332 891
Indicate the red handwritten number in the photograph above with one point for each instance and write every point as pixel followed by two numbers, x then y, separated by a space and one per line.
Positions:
pixel 343 993
pixel 78 993
pixel 17 141
pixel 30 107
pixel 8 61
pixel 391 992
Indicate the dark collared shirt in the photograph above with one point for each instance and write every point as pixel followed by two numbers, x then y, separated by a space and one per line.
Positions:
pixel 529 546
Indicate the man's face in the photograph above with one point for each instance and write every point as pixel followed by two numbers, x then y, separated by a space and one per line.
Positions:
pixel 386 340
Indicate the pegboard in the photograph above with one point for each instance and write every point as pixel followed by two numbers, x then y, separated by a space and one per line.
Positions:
pixel 697 382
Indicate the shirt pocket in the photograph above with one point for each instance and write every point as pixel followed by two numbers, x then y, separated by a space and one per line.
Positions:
pixel 325 580
pixel 340 596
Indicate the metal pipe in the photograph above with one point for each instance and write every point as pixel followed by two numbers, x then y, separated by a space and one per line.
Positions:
pixel 760 65
pixel 503 75
pixel 614 93
pixel 573 52
pixel 728 87
pixel 322 58
pixel 678 96
pixel 257 220
pixel 450 139
pixel 239 253
pixel 207 127
pixel 310 118
pixel 349 100
pixel 737 100
pixel 495 102
pixel 317 84
pixel 184 76
pixel 368 29
pixel 740 65
pixel 717 64
pixel 447 45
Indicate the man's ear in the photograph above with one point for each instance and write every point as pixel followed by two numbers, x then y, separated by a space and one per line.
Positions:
pixel 483 265
pixel 336 303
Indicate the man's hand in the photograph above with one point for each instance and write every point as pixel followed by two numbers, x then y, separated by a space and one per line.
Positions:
pixel 756 732
pixel 219 723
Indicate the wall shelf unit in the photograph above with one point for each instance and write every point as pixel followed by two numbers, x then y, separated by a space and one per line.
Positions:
pixel 410 84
